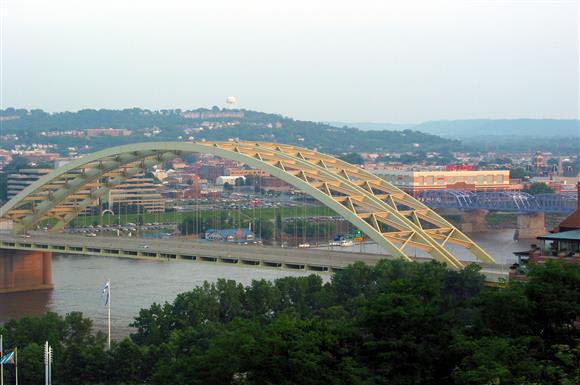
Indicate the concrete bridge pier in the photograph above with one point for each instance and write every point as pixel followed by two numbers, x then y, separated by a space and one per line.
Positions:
pixel 473 221
pixel 531 225
pixel 25 270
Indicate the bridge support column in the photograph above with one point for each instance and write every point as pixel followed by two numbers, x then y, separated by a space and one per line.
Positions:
pixel 25 270
pixel 531 225
pixel 473 221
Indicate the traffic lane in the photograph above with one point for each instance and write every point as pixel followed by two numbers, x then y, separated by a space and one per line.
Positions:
pixel 207 249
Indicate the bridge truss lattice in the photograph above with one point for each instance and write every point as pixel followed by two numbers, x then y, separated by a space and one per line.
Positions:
pixel 387 215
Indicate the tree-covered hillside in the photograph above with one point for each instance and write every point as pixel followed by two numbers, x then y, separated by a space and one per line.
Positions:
pixel 33 126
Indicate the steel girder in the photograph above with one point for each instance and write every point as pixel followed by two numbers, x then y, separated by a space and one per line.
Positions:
pixel 558 202
pixel 386 214
pixel 507 201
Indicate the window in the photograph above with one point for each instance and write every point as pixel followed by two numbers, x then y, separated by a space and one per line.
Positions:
pixel 499 178
pixel 470 179
pixel 480 179
pixel 450 180
pixel 490 179
pixel 421 180
pixel 430 180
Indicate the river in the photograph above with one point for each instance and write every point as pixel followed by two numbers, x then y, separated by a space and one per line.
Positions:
pixel 139 283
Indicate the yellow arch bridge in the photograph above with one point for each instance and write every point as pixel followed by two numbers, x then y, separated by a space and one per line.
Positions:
pixel 387 215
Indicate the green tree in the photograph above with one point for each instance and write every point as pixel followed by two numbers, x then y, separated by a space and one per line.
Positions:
pixel 538 188
pixel 31 364
pixel 391 323
pixel 518 173
pixel 352 158
pixel 264 228
pixel 195 224
pixel 503 312
pixel 127 362
pixel 496 360
pixel 278 227
pixel 554 293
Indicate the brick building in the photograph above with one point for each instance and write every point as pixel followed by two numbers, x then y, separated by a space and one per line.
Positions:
pixel 470 180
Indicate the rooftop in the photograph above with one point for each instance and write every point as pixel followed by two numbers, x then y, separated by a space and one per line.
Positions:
pixel 572 235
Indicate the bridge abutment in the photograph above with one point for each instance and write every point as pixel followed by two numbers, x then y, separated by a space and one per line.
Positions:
pixel 531 225
pixel 473 221
pixel 25 270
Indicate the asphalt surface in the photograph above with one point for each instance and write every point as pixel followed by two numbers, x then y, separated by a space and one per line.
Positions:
pixel 304 258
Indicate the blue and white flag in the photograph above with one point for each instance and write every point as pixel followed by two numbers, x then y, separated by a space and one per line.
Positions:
pixel 105 292
pixel 7 358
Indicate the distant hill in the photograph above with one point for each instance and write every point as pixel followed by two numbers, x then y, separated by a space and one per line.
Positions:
pixel 371 126
pixel 37 126
pixel 544 128
pixel 517 135
pixel 541 128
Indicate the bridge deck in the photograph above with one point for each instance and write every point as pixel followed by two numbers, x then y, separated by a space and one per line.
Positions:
pixel 202 251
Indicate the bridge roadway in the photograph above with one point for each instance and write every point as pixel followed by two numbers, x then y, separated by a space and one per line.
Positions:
pixel 315 260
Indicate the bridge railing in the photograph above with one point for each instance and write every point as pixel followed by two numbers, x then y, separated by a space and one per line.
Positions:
pixel 447 199
pixel 565 202
pixel 511 201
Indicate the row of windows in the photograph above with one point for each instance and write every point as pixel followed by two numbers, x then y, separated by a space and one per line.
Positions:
pixel 431 180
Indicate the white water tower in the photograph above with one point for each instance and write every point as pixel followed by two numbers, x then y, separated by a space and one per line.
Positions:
pixel 231 101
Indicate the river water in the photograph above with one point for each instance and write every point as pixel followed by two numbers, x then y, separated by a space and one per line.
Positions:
pixel 139 283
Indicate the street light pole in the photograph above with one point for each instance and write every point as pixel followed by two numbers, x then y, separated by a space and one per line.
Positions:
pixel 47 364
pixel 50 365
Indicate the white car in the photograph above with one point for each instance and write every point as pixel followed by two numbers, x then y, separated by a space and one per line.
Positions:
pixel 90 235
pixel 304 245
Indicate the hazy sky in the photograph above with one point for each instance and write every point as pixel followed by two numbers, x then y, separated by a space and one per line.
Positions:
pixel 382 61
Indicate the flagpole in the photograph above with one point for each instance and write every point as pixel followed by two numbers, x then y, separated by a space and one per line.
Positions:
pixel 109 338
pixel 1 365
pixel 16 363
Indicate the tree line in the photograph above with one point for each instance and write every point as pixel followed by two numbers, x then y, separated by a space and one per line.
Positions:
pixel 255 126
pixel 394 323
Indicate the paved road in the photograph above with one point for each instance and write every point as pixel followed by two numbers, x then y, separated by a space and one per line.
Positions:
pixel 191 248
pixel 204 251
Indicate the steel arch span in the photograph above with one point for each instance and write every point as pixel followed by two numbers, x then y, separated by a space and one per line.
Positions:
pixel 386 214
